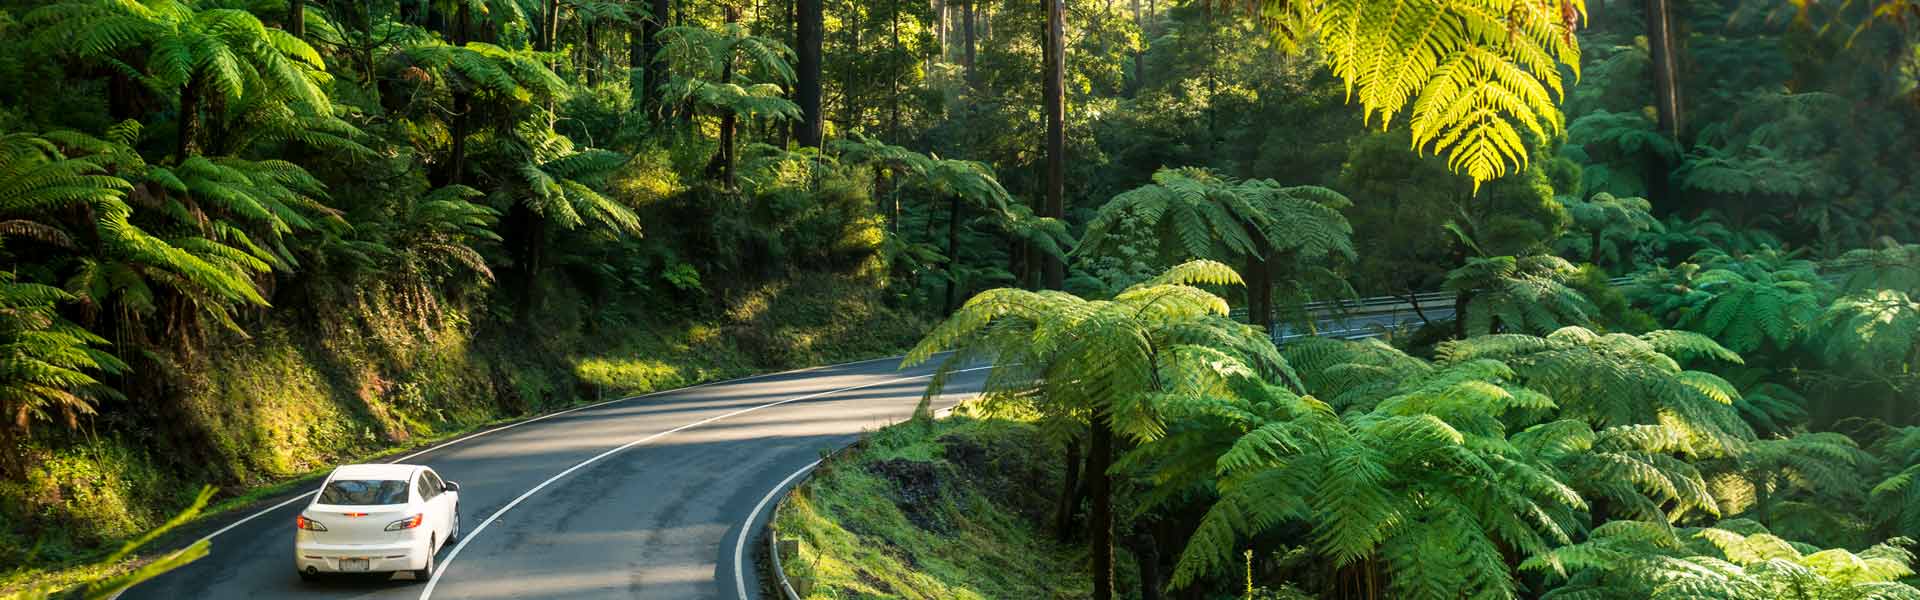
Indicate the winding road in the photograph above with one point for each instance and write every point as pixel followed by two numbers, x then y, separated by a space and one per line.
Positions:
pixel 655 496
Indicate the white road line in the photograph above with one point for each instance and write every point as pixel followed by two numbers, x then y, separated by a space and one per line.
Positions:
pixel 468 537
pixel 284 503
pixel 740 544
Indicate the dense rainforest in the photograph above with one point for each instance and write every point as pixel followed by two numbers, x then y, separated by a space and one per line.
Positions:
pixel 241 240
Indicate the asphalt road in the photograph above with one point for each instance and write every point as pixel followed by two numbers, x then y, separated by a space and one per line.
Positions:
pixel 639 498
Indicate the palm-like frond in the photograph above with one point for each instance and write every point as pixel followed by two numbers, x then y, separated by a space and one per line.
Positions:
pixel 1519 294
pixel 1736 560
pixel 1478 78
pixel 1619 379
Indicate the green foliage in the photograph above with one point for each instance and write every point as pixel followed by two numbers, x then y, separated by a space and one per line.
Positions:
pixel 1525 294
pixel 48 363
pixel 1889 267
pixel 1790 484
pixel 109 587
pixel 1464 73
pixel 1735 560
pixel 1763 299
pixel 1604 226
pixel 940 512
pixel 1436 531
pixel 704 65
pixel 1155 346
pixel 1620 379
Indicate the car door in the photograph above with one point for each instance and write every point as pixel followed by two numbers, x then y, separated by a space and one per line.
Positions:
pixel 443 502
pixel 431 504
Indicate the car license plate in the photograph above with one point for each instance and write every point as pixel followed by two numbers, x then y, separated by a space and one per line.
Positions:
pixel 353 564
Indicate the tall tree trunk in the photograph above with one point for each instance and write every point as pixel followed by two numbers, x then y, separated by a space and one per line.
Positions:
pixel 297 18
pixel 953 251
pixel 1666 94
pixel 656 66
pixel 1260 287
pixel 187 143
pixel 966 29
pixel 940 28
pixel 462 100
pixel 1055 106
pixel 729 122
pixel 893 96
pixel 590 53
pixel 1146 557
pixel 1139 54
pixel 849 89
pixel 549 26
pixel 1069 494
pixel 1100 518
pixel 808 31
pixel 1666 84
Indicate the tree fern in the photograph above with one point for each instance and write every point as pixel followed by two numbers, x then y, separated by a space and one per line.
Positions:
pixel 1196 213
pixel 47 363
pixel 1605 228
pixel 1130 366
pixel 1619 379
pixel 1518 294
pixel 1737 560
pixel 1423 484
pixel 1891 266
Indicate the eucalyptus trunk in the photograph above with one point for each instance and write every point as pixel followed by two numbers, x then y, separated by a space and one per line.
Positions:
pixel 1069 494
pixel 462 100
pixel 297 18
pixel 953 250
pixel 1100 518
pixel 807 32
pixel 1054 93
pixel 652 102
pixel 966 34
pixel 1260 288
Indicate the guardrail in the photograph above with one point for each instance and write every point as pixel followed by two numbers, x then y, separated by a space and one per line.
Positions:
pixel 1379 304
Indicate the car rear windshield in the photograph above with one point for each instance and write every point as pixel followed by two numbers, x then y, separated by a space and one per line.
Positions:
pixel 360 492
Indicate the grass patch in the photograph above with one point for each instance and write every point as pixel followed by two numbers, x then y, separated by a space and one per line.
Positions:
pixel 952 511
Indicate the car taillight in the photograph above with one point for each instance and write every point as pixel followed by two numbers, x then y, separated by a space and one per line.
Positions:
pixel 407 523
pixel 308 524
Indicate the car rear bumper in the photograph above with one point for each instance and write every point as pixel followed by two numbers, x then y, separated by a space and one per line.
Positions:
pixel 325 558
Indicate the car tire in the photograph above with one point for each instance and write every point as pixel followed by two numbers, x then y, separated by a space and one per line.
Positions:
pixel 455 536
pixel 426 573
pixel 305 576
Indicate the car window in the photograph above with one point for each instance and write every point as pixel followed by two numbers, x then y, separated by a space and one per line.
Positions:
pixel 363 492
pixel 426 488
pixel 434 483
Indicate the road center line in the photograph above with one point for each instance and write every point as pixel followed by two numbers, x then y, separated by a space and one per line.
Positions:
pixel 469 536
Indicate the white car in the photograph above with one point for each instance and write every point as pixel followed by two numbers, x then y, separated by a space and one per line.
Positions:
pixel 377 518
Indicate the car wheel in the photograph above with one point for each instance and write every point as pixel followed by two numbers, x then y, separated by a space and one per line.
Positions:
pixel 452 537
pixel 305 576
pixel 425 573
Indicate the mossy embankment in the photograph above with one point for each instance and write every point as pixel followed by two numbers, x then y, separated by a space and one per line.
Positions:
pixel 372 371
pixel 954 510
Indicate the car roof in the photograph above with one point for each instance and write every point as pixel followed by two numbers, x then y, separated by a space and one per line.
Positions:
pixel 400 472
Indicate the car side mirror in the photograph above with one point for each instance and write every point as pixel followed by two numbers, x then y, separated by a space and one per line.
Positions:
pixel 453 487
